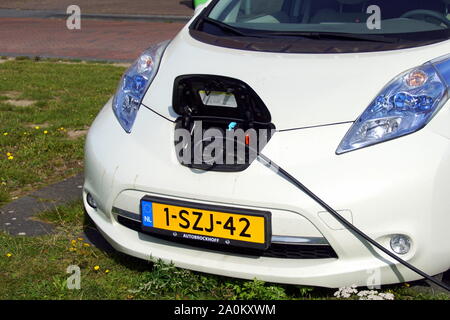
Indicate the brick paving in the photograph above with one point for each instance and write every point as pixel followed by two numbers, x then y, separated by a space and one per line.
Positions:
pixel 137 7
pixel 97 39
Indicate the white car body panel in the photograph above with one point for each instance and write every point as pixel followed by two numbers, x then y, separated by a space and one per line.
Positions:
pixel 300 90
pixel 397 187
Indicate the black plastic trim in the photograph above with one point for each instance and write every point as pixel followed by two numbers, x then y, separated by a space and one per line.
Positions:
pixel 276 251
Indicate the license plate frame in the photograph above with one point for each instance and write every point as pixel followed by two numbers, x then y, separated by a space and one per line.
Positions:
pixel 148 227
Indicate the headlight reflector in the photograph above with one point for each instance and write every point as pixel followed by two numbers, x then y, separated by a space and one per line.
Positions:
pixel 404 106
pixel 134 85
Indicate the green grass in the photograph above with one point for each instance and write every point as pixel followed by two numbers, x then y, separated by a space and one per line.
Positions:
pixel 67 97
pixel 37 267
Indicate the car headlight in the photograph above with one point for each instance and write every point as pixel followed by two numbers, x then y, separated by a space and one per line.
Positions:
pixel 134 85
pixel 404 106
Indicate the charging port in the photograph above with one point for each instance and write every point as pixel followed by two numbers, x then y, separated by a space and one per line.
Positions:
pixel 223 124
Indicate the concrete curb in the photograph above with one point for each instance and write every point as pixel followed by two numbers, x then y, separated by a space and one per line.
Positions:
pixel 32 56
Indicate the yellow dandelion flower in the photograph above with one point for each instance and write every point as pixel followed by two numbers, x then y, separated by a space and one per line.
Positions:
pixel 73 242
pixel 96 268
pixel 45 132
pixel 107 271
pixel 80 239
pixel 86 244
pixel 5 134
pixel 37 127
pixel 72 249
pixel 9 255
pixel 8 154
pixel 10 157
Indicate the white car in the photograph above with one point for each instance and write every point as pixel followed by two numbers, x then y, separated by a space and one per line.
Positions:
pixel 350 97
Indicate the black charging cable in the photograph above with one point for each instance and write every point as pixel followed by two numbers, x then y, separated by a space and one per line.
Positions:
pixel 273 166
pixel 349 225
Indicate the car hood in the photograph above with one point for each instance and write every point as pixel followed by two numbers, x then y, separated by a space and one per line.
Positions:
pixel 300 90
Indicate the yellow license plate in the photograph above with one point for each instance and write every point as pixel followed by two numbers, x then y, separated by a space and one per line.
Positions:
pixel 213 224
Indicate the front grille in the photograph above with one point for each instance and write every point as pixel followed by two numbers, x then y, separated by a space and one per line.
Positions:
pixel 276 250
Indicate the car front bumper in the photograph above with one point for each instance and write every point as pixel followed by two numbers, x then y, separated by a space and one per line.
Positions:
pixel 398 187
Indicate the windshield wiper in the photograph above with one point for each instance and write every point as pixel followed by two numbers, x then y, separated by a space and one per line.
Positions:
pixel 310 35
pixel 332 36
pixel 226 27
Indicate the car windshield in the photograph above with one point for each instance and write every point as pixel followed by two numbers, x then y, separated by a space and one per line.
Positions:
pixel 352 17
